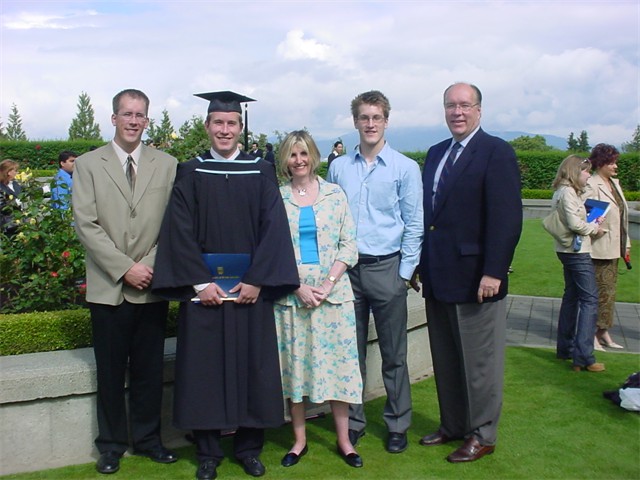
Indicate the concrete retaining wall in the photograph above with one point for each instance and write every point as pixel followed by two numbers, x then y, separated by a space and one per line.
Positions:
pixel 47 400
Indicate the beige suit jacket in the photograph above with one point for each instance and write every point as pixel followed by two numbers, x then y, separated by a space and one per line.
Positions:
pixel 117 227
pixel 607 247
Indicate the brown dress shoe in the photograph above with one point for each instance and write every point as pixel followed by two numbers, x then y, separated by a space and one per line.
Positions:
pixel 470 451
pixel 594 367
pixel 435 438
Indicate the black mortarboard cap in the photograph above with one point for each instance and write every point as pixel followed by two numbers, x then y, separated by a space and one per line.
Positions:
pixel 224 101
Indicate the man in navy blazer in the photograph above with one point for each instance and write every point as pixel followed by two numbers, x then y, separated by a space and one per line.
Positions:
pixel 473 220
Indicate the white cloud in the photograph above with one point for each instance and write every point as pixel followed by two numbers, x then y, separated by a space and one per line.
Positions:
pixel 31 21
pixel 296 47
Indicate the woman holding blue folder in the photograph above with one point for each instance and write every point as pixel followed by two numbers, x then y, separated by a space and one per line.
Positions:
pixel 316 324
pixel 615 243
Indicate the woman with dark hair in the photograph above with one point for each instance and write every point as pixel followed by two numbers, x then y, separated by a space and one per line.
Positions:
pixel 579 309
pixel 9 191
pixel 317 324
pixel 615 243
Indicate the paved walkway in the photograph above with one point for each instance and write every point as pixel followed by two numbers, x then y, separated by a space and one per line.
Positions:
pixel 532 321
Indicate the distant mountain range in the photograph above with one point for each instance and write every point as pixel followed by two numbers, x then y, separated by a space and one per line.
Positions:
pixel 413 139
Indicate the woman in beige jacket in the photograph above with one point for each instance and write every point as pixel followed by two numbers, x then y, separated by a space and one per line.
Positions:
pixel 615 243
pixel 579 308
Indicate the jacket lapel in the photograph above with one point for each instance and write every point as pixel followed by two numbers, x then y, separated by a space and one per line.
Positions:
pixel 114 169
pixel 146 169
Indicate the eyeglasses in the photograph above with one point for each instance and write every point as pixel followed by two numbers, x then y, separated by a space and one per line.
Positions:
pixel 130 116
pixel 464 107
pixel 367 119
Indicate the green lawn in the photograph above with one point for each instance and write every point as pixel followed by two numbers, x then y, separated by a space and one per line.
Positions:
pixel 538 272
pixel 555 425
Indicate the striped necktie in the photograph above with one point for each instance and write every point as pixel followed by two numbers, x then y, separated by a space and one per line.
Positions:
pixel 131 172
pixel 445 171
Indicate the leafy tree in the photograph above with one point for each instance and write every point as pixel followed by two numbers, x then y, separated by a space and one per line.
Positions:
pixel 14 128
pixel 192 140
pixel 634 144
pixel 83 127
pixel 161 136
pixel 583 142
pixel 537 142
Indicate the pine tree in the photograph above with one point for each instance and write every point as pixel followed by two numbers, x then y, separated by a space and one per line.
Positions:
pixel 634 144
pixel 161 136
pixel 14 127
pixel 83 126
pixel 572 143
pixel 3 135
pixel 583 142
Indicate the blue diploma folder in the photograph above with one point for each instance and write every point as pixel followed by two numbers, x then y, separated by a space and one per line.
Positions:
pixel 595 209
pixel 227 270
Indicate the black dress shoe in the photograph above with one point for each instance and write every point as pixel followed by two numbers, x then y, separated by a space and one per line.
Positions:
pixel 290 459
pixel 355 435
pixel 435 438
pixel 158 454
pixel 109 462
pixel 207 470
pixel 352 459
pixel 397 442
pixel 253 466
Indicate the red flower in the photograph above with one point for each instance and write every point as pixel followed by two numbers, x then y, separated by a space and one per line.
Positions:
pixel 38 147
pixel 82 288
pixel 66 254
pixel 54 274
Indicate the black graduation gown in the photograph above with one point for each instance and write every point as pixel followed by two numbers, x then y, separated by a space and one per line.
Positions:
pixel 227 367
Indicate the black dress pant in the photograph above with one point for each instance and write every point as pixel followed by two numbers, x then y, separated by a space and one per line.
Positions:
pixel 129 335
pixel 247 442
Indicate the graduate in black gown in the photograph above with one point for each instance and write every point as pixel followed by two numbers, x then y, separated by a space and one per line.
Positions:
pixel 227 369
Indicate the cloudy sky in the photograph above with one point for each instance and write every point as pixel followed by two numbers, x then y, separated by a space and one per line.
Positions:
pixel 544 66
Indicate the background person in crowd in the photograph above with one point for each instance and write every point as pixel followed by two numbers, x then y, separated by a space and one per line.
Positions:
pixel 316 323
pixel 227 365
pixel 338 149
pixel 255 151
pixel 384 191
pixel 63 181
pixel 614 243
pixel 9 191
pixel 270 156
pixel 473 220
pixel 579 308
pixel 119 196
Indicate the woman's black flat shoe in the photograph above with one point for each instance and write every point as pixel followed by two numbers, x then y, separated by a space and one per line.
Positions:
pixel 290 459
pixel 353 459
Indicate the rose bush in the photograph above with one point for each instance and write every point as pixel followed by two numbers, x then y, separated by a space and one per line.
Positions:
pixel 42 265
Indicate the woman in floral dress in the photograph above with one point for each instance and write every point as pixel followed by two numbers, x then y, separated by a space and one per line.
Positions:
pixel 316 324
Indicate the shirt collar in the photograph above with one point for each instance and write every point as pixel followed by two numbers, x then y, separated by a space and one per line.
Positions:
pixel 122 155
pixel 216 156
pixel 380 157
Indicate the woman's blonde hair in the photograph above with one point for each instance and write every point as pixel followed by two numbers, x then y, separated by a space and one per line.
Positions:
pixel 569 172
pixel 5 166
pixel 305 141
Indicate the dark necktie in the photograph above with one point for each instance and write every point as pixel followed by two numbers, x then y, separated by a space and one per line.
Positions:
pixel 131 172
pixel 445 171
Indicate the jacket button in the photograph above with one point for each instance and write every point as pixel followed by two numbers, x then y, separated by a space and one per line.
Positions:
pixel 432 227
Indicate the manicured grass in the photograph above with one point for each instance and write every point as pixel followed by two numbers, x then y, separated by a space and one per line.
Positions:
pixel 555 425
pixel 538 272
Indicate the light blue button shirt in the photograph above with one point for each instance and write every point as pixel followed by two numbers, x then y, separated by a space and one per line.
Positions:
pixel 386 203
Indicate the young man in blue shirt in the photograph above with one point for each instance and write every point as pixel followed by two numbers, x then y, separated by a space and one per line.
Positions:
pixel 384 190
pixel 63 181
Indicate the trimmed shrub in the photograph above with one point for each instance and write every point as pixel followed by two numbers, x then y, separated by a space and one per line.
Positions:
pixel 60 330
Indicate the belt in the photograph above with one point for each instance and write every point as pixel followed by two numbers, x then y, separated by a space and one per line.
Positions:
pixel 369 259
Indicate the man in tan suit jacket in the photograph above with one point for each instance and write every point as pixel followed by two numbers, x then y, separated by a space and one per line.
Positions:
pixel 119 196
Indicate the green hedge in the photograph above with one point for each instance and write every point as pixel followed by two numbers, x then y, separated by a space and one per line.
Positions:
pixel 60 330
pixel 43 154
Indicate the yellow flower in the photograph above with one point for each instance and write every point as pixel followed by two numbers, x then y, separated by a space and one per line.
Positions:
pixel 32 221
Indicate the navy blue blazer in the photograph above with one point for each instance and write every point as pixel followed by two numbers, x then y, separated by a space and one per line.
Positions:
pixel 476 225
